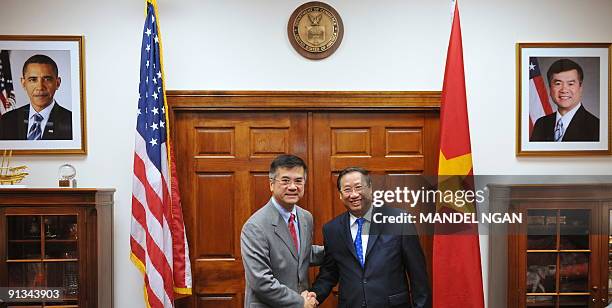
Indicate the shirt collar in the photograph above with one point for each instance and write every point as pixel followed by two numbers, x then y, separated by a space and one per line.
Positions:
pixel 284 213
pixel 367 216
pixel 567 118
pixel 44 113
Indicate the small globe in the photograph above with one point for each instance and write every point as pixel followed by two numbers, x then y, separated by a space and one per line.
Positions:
pixel 67 172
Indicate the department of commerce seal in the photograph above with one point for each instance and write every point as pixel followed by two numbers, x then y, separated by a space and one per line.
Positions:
pixel 315 30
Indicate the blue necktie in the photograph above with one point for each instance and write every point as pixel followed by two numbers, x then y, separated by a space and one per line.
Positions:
pixel 35 131
pixel 358 246
pixel 559 130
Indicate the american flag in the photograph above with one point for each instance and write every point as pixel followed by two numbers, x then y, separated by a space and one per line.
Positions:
pixel 538 97
pixel 7 93
pixel 158 241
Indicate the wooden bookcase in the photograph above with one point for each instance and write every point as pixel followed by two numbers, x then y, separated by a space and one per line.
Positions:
pixel 57 238
pixel 560 255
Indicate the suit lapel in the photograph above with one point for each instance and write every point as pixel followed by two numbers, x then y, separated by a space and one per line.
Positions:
pixel 374 233
pixel 281 230
pixel 304 228
pixel 49 130
pixel 550 126
pixel 23 127
pixel 573 130
pixel 348 238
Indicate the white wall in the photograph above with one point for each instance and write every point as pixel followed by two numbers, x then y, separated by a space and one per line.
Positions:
pixel 242 45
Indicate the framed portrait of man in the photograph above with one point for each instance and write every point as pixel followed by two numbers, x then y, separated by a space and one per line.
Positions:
pixel 42 95
pixel 563 99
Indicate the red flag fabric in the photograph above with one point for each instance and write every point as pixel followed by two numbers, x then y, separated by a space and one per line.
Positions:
pixel 157 238
pixel 457 273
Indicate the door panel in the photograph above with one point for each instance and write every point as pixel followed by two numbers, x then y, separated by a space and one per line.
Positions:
pixel 390 144
pixel 223 160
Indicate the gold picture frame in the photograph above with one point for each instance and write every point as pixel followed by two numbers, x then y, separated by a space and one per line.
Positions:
pixel 63 130
pixel 587 102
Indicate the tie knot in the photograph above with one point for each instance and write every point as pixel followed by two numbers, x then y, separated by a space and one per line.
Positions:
pixel 37 117
pixel 360 221
pixel 292 217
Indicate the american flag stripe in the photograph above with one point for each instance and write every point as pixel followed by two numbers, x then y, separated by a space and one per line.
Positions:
pixel 137 249
pixel 155 229
pixel 180 249
pixel 151 301
pixel 542 94
pixel 150 196
pixel 538 96
pixel 158 243
pixel 7 92
pixel 157 260
pixel 149 170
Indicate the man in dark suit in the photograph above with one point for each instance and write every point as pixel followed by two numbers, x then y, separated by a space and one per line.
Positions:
pixel 370 260
pixel 571 122
pixel 43 118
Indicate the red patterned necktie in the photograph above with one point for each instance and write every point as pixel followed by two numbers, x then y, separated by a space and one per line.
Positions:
pixel 293 232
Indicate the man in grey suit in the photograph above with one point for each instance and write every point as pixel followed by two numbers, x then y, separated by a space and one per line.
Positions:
pixel 276 242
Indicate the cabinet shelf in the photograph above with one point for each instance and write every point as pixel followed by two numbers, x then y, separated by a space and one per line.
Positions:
pixel 40 260
pixel 25 241
pixel 61 241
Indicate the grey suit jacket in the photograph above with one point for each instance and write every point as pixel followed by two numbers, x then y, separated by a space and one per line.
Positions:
pixel 275 273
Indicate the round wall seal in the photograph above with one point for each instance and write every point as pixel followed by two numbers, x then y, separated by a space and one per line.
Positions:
pixel 315 30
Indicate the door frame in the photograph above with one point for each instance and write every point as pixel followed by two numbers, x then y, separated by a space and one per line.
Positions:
pixel 424 102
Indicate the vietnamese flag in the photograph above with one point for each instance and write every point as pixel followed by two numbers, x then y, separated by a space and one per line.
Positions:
pixel 457 274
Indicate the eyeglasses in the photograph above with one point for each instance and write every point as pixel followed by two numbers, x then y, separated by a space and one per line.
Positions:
pixel 349 190
pixel 299 182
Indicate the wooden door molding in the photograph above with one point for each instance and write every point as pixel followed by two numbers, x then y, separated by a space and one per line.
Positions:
pixel 304 100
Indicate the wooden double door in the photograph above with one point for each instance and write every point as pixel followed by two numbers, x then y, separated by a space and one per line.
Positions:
pixel 223 159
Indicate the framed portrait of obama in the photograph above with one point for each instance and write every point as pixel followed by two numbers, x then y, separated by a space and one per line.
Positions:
pixel 563 99
pixel 42 95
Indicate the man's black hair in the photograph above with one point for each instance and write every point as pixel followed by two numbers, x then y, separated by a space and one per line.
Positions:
pixel 286 161
pixel 365 174
pixel 564 65
pixel 40 59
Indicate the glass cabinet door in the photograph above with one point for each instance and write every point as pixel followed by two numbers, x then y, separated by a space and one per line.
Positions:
pixel 43 252
pixel 559 256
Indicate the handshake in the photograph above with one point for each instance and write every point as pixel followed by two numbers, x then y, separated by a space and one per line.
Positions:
pixel 310 299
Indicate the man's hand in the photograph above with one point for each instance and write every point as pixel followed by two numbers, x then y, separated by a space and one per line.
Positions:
pixel 310 299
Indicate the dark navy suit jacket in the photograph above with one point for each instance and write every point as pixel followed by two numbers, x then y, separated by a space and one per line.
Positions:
pixel 583 127
pixel 393 254
pixel 14 124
